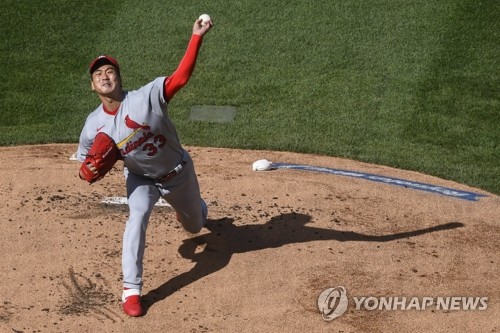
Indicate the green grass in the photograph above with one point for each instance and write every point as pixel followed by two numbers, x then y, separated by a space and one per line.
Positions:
pixel 409 84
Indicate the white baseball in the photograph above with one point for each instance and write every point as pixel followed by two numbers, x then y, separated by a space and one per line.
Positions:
pixel 205 18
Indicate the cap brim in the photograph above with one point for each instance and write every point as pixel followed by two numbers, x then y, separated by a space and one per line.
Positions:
pixel 101 61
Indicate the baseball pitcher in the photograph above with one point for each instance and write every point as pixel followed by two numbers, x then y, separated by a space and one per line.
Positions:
pixel 155 164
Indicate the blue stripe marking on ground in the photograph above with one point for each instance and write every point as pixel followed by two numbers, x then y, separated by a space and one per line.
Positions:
pixel 459 194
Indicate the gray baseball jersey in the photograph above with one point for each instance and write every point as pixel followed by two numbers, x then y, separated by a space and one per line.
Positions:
pixel 142 129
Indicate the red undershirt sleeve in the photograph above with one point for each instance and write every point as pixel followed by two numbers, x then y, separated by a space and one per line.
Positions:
pixel 183 72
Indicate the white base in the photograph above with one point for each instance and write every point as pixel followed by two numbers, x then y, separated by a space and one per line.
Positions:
pixel 124 201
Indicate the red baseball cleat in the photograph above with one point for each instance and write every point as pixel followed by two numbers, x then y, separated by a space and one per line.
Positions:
pixel 131 302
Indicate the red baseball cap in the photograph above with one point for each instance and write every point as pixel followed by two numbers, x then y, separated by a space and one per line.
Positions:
pixel 103 60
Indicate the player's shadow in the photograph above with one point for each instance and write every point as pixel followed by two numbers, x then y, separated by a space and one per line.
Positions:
pixel 226 239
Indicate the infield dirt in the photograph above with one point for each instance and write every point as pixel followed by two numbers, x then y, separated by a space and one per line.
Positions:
pixel 274 241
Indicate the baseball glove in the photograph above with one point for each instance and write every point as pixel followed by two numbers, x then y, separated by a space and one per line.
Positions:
pixel 101 157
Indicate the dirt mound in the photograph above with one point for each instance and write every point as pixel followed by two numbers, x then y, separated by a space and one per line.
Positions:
pixel 274 242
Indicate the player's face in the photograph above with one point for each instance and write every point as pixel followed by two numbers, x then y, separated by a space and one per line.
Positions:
pixel 106 81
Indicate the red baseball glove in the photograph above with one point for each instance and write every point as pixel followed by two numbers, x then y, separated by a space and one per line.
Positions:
pixel 101 157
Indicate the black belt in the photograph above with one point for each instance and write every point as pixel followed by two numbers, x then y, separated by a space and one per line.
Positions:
pixel 175 171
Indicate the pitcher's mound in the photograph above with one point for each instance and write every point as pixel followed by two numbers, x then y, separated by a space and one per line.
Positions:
pixel 275 241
